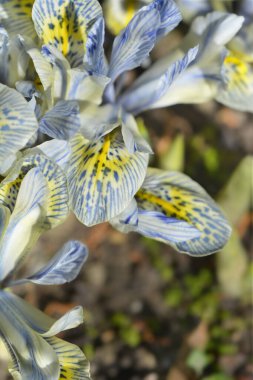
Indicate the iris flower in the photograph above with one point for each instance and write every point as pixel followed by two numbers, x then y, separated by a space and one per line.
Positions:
pixel 33 198
pixel 107 156
pixel 236 88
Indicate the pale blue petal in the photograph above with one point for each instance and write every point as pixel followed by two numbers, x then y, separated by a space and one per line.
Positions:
pixel 94 57
pixel 103 177
pixel 45 356
pixel 62 121
pixel 153 93
pixel 32 356
pixel 214 30
pixel 134 43
pixel 156 225
pixel 74 84
pixel 68 321
pixel 127 220
pixel 13 59
pixel 27 89
pixel 98 121
pixel 58 150
pixel 169 15
pixel 132 138
pixel 64 266
pixel 41 64
pixel 17 122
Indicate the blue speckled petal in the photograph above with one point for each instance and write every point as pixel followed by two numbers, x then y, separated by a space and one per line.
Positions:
pixel 103 177
pixel 134 43
pixel 65 24
pixel 64 266
pixel 155 92
pixel 17 122
pixel 176 210
pixel 62 121
pixel 16 17
pixel 169 14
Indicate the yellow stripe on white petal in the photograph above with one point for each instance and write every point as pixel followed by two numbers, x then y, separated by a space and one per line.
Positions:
pixel 103 177
pixel 17 122
pixel 177 197
pixel 64 24
pixel 238 77
pixel 57 206
pixel 73 364
pixel 16 17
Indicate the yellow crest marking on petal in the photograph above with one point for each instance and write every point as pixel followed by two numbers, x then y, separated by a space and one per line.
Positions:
pixel 103 177
pixel 63 25
pixel 178 197
pixel 57 207
pixel 73 364
pixel 16 16
pixel 180 204
pixel 237 71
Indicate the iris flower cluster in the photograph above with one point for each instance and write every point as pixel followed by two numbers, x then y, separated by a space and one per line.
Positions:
pixel 69 141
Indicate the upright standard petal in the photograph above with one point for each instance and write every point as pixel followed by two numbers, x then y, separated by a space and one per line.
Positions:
pixel 103 177
pixel 17 122
pixel 154 92
pixel 62 121
pixel 94 57
pixel 134 43
pixel 64 24
pixel 176 210
pixel 16 17
pixel 64 266
pixel 58 150
pixel 169 14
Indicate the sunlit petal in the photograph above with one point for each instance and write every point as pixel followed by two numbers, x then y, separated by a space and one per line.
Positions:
pixel 64 25
pixel 155 92
pixel 24 225
pixel 176 210
pixel 62 121
pixel 17 122
pixel 134 43
pixel 32 356
pixel 103 177
pixel 16 17
pixel 63 267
